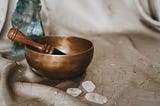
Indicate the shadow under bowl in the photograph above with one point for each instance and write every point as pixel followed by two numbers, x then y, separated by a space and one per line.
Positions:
pixel 79 53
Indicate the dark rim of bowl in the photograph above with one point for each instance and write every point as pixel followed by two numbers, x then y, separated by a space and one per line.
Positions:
pixel 92 47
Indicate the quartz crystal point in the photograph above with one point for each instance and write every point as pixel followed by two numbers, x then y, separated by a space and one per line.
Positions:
pixel 26 18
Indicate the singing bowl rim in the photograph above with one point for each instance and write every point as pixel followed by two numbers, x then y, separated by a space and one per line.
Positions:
pixel 51 36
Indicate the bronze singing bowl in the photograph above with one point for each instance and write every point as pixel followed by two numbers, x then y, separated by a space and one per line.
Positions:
pixel 79 53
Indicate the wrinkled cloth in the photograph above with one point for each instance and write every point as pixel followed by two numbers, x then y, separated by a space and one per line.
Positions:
pixel 125 66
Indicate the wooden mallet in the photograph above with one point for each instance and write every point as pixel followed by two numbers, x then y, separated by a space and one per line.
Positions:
pixel 17 36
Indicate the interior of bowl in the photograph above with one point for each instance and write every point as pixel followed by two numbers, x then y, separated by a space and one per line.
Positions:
pixel 67 44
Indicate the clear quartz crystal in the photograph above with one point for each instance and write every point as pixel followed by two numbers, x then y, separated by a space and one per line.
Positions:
pixel 74 91
pixel 89 86
pixel 96 98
